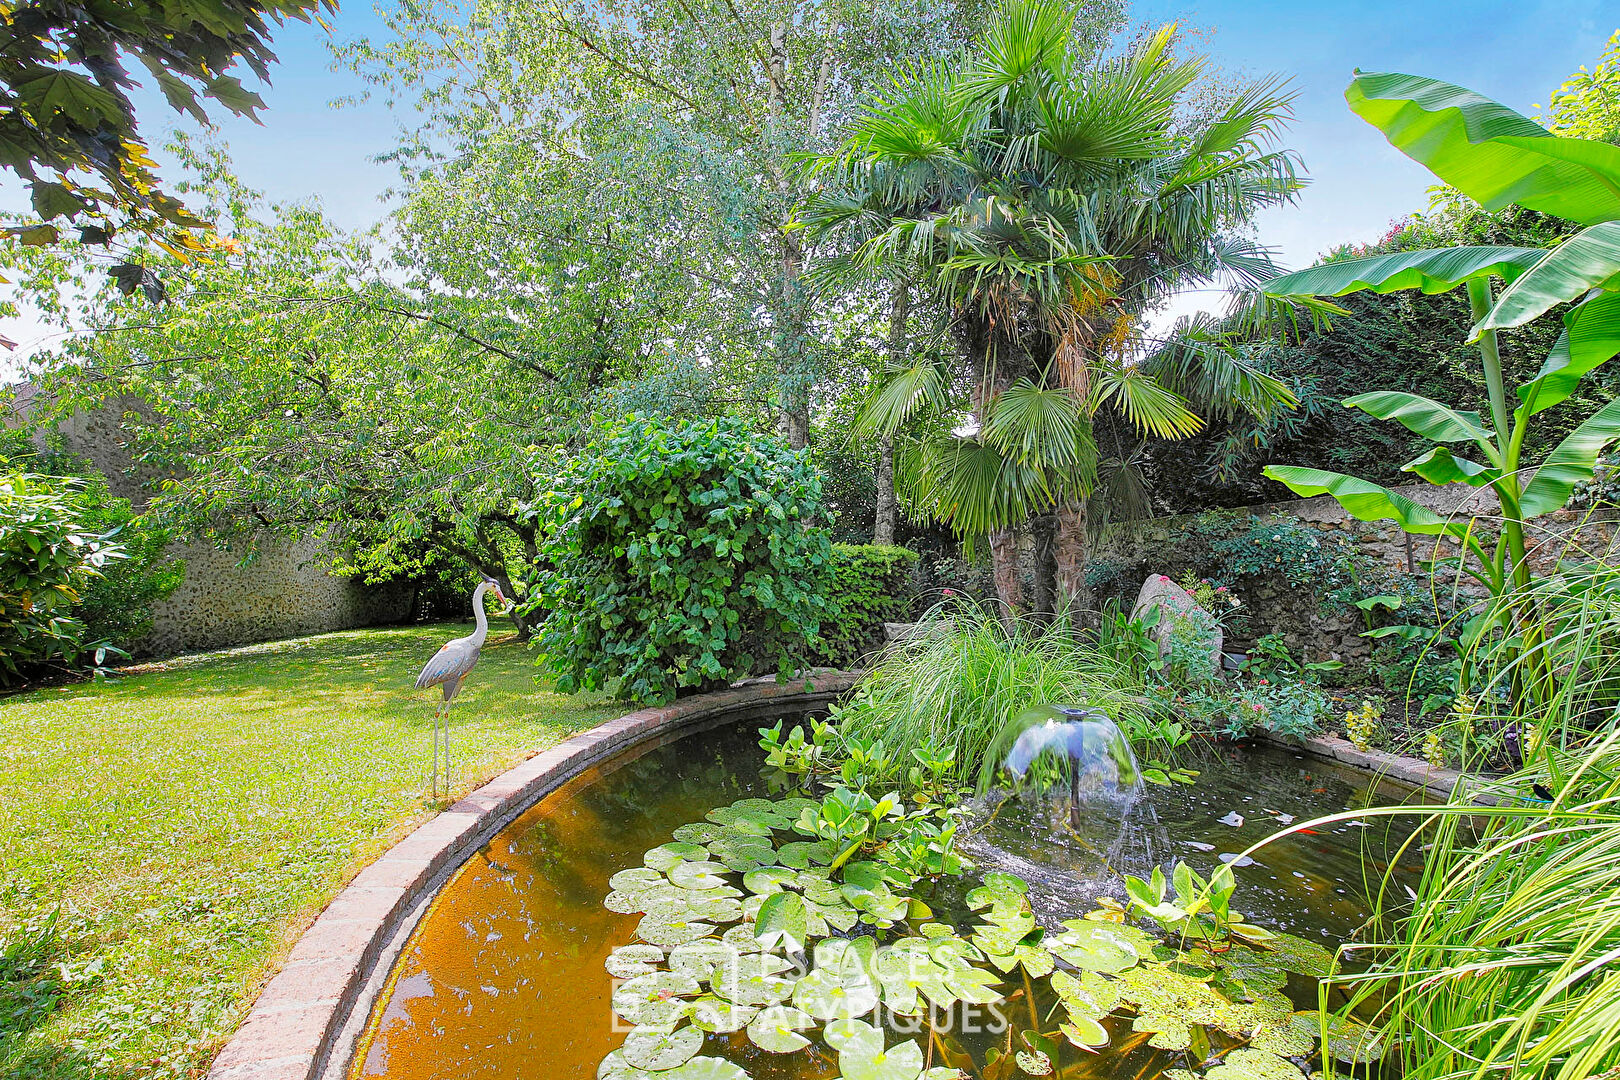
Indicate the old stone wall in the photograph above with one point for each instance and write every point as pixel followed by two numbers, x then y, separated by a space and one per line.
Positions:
pixel 1313 625
pixel 227 598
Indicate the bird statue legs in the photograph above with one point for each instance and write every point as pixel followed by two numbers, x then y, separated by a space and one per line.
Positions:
pixel 441 747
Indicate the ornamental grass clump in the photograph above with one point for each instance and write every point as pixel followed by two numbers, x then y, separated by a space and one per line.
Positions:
pixel 962 680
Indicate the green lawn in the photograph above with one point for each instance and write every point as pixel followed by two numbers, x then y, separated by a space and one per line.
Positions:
pixel 165 837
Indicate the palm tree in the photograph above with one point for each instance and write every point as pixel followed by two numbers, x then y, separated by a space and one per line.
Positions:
pixel 1052 198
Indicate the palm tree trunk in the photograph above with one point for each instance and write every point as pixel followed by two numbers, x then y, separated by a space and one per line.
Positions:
pixel 1005 571
pixel 1044 529
pixel 887 507
pixel 1070 554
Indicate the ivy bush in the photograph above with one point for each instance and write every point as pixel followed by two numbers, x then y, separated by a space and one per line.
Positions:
pixel 683 556
pixel 47 559
pixel 871 585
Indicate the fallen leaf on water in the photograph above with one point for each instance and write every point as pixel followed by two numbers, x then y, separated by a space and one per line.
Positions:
pixel 1233 819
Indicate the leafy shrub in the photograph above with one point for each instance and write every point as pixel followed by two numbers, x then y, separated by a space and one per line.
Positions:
pixel 871 585
pixel 682 559
pixel 1292 707
pixel 47 559
pixel 116 605
pixel 1286 546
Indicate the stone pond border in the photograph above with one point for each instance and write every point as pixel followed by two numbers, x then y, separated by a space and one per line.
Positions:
pixel 299 1018
pixel 1438 784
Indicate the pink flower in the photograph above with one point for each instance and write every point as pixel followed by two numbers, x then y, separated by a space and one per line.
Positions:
pixel 950 592
pixel 1162 577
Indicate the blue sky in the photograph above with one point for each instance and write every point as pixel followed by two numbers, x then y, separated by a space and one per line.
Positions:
pixel 1512 51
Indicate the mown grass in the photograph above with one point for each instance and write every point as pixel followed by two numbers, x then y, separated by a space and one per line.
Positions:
pixel 165 837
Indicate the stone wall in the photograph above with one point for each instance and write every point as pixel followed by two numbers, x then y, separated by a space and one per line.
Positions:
pixel 227 599
pixel 1313 627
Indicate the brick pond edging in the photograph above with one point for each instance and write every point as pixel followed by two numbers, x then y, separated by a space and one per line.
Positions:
pixel 291 1029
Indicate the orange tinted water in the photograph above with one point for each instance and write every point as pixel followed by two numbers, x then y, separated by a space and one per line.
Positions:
pixel 503 978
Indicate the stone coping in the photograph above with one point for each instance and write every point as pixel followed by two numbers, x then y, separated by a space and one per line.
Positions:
pixel 291 1029
pixel 1438 784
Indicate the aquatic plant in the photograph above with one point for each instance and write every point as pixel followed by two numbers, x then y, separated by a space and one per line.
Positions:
pixel 962 680
pixel 818 960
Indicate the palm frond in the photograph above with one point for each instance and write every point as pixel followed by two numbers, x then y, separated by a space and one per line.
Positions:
pixel 905 393
pixel 1150 406
pixel 1042 426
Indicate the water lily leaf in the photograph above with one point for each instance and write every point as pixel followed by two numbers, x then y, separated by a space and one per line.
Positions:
pixel 770 879
pixel 973 985
pixel 635 879
pixel 1248 1063
pixel 800 854
pixel 753 980
pixel 716 1014
pixel 701 958
pixel 698 875
pixel 1167 1000
pixel 782 922
pixel 936 930
pixel 840 916
pixel 701 832
pixel 629 961
pixel 854 1036
pixel 745 821
pixel 1085 1032
pixel 706 1068
pixel 953 952
pixel 1097 946
pixel 1034 1063
pixel 820 889
pixel 664 856
pixel 1292 1036
pixel 903 1061
pixel 1087 995
pixel 671 932
pixel 1165 1032
pixel 943 1072
pixel 655 1050
pixel 623 903
pixel 654 1000
pixel 1353 1042
pixel 827 997
pixel 614 1067
pixel 863 876
pixel 742 939
pixel 777 1028
pixel 1296 954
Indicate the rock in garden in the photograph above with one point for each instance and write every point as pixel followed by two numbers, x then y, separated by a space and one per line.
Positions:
pixel 1178 610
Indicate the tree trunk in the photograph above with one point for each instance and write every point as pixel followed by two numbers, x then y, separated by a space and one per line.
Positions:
pixel 1005 570
pixel 1070 555
pixel 1044 529
pixel 887 505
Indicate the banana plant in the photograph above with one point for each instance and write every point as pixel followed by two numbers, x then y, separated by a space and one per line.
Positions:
pixel 1496 157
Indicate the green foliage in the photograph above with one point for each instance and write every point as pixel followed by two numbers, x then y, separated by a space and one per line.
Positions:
pixel 1200 911
pixel 1288 548
pixel 48 559
pixel 116 605
pixel 962 680
pixel 1292 707
pixel 69 110
pixel 1587 105
pixel 871 585
pixel 682 560
pixel 1496 157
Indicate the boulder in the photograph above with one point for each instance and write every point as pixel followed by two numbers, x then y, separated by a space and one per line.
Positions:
pixel 1177 608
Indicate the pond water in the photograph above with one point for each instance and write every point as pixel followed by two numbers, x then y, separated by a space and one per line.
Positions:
pixel 503 979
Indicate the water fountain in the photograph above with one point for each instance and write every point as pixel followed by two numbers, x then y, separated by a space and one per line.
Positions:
pixel 1089 747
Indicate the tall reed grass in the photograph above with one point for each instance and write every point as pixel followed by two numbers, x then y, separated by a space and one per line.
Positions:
pixel 1506 961
pixel 963 680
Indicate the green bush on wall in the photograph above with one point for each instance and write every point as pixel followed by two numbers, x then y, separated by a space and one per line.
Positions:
pixel 683 559
pixel 871 585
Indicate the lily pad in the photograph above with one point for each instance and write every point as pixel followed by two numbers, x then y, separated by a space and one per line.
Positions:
pixel 701 832
pixel 630 961
pixel 706 1068
pixel 1291 1036
pixel 854 1036
pixel 635 879
pixel 827 997
pixel 655 1000
pixel 667 855
pixel 777 1028
pixel 1247 1063
pixel 903 1061
pixel 716 1014
pixel 1087 995
pixel 623 903
pixel 698 875
pixel 655 1050
pixel 800 854
pixel 1085 1032
pixel 1299 955
pixel 742 939
pixel 701 958
pixel 782 922
pixel 614 1067
pixel 672 932
pixel 769 879
pixel 1034 1063
pixel 753 981
pixel 1096 946
pixel 1353 1042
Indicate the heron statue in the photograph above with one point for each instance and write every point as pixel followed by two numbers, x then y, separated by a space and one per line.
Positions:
pixel 449 668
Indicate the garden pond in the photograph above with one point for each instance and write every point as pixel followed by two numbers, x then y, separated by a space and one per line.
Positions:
pixel 657 916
